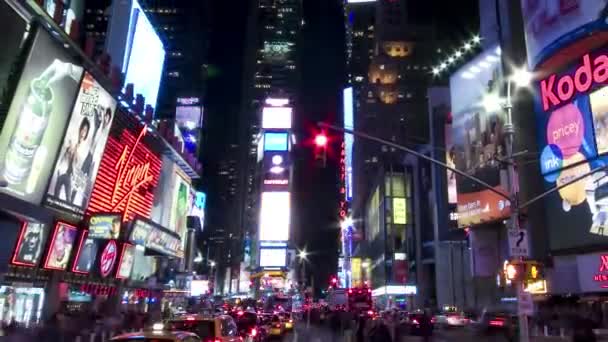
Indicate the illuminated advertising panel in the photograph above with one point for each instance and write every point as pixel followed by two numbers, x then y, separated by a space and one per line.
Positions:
pixel 83 145
pixel 550 26
pixel 30 244
pixel 572 123
pixel 277 51
pixel 399 211
pixel 348 140
pixel 276 171
pixel 128 172
pixel 154 237
pixel 135 46
pixel 477 139
pixel 199 287
pixel 359 1
pixel 273 257
pixel 37 116
pixel 105 226
pixel 179 208
pixel 86 254
pixel 593 272
pixel 198 207
pixel 275 141
pixel 107 258
pixel 275 216
pixel 60 247
pixel 276 117
pixel 127 258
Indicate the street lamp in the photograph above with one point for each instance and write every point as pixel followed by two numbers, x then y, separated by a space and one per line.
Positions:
pixel 346 223
pixel 303 254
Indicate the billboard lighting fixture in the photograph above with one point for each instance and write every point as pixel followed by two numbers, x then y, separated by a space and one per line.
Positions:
pixel 277 160
pixel 466 47
pixel 277 169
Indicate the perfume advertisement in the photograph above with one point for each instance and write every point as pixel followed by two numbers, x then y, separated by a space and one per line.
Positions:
pixel 37 117
pixel 83 145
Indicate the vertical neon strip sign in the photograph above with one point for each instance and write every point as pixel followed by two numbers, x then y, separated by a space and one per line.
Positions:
pixel 348 140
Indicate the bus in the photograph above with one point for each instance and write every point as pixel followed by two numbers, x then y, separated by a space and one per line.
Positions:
pixel 360 299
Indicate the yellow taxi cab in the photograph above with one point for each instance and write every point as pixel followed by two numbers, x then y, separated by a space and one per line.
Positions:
pixel 277 327
pixel 287 320
pixel 158 336
pixel 220 328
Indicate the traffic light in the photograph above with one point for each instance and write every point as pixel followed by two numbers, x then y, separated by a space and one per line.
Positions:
pixel 514 271
pixel 321 142
pixel 534 271
pixel 334 281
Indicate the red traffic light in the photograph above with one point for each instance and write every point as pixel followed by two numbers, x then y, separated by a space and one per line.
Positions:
pixel 321 140
pixel 334 280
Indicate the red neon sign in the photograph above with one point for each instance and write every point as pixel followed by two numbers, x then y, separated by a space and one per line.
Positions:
pixel 107 258
pixel 555 91
pixel 343 208
pixel 100 290
pixel 602 277
pixel 128 172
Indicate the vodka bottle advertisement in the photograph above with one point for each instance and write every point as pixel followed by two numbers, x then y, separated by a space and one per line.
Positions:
pixel 37 117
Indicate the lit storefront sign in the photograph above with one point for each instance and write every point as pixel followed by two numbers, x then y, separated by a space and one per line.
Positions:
pixel 128 173
pixel 104 226
pixel 593 272
pixel 348 140
pixel 395 290
pixel 537 287
pixel 399 211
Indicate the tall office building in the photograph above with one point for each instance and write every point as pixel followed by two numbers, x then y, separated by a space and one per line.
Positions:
pixel 183 28
pixel 271 71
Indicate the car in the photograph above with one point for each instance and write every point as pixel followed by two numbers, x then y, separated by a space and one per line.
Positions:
pixel 419 324
pixel 220 328
pixel 158 336
pixel 452 319
pixel 287 319
pixel 496 323
pixel 249 326
pixel 276 327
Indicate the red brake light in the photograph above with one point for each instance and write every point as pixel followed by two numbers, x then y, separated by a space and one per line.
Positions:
pixel 254 332
pixel 369 290
pixel 240 313
pixel 415 321
pixel 497 323
pixel 350 291
pixel 370 312
pixel 190 318
pixel 291 321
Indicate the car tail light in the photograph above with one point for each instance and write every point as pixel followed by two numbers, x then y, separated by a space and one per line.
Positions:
pixel 433 320
pixel 369 290
pixel 350 291
pixel 254 332
pixel 190 318
pixel 370 312
pixel 277 325
pixel 415 321
pixel 497 323
pixel 291 321
pixel 240 313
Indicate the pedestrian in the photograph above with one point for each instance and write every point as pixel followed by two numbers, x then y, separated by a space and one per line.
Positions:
pixel 380 332
pixel 335 325
pixel 583 330
pixel 360 334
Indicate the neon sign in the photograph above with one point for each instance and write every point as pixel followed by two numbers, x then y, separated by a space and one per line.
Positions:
pixel 556 91
pixel 276 182
pixel 130 177
pixel 343 206
pixel 128 172
pixel 108 258
pixel 602 277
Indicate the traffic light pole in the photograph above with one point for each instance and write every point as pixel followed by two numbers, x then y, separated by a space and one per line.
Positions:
pixel 512 181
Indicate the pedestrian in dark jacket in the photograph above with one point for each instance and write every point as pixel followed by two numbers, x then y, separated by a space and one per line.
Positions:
pixel 583 330
pixel 380 333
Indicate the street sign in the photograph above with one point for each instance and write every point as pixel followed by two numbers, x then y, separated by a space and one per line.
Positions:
pixel 525 304
pixel 518 243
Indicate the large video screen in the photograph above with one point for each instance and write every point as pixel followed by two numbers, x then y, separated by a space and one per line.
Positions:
pixel 477 139
pixel 37 116
pixel 275 216
pixel 83 145
pixel 276 117
pixel 273 257
pixel 13 34
pixel 349 140
pixel 552 25
pixel 135 46
pixel 572 133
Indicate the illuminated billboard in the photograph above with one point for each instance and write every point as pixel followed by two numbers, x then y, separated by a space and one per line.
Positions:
pixel 477 139
pixel 135 46
pixel 276 141
pixel 83 145
pixel 348 140
pixel 550 26
pixel 572 131
pixel 276 117
pixel 128 172
pixel 35 124
pixel 275 216
pixel 273 257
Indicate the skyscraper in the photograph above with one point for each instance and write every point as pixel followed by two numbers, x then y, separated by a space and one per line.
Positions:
pixel 270 72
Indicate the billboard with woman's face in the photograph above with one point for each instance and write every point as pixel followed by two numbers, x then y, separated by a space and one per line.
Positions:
pixel 60 247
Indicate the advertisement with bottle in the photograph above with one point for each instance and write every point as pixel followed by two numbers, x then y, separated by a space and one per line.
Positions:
pixel 37 116
pixel 83 145
pixel 572 137
pixel 60 247
pixel 478 140
pixel 551 25
pixel 30 244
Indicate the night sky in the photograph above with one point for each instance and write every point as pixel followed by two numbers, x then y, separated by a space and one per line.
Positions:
pixel 322 65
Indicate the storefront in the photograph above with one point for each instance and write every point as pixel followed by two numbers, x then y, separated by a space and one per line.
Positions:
pixel 85 214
